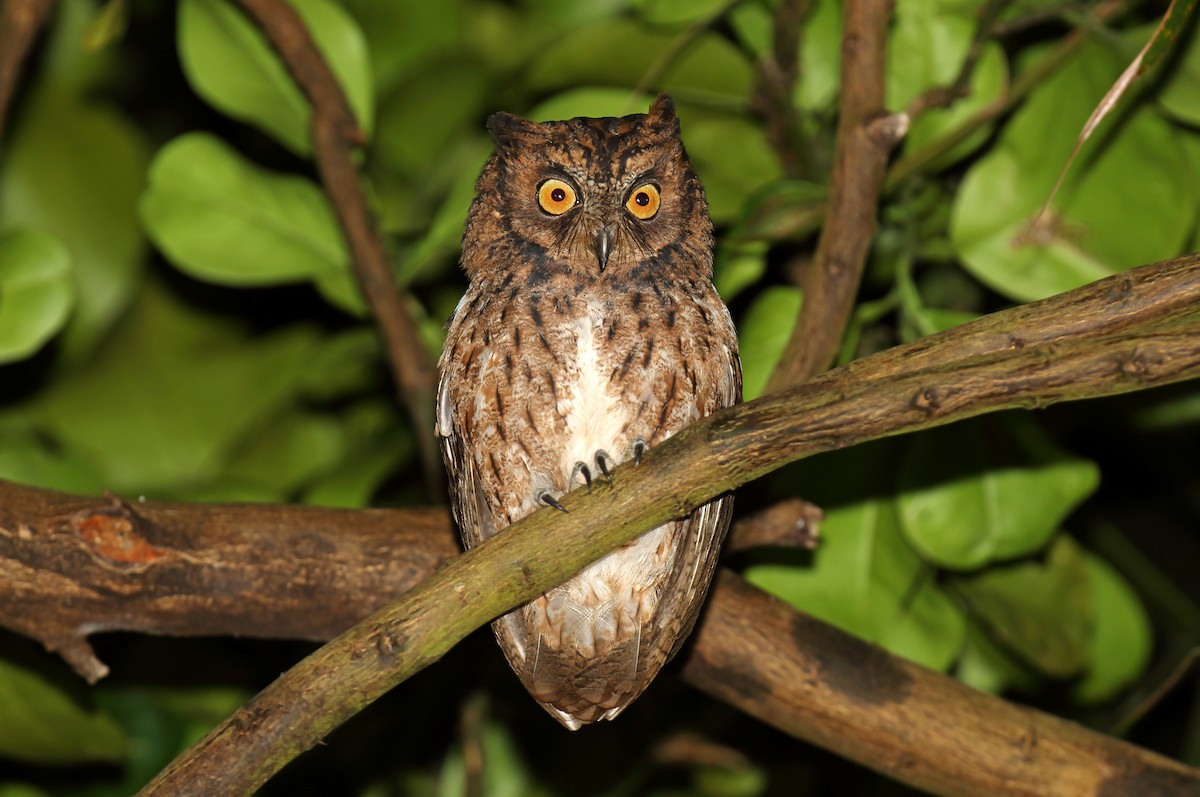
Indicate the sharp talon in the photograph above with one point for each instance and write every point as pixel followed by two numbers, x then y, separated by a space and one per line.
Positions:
pixel 581 469
pixel 639 449
pixel 550 500
pixel 602 460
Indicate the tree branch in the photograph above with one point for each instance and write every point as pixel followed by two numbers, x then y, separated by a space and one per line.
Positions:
pixel 900 719
pixel 20 21
pixel 710 457
pixel 335 135
pixel 865 137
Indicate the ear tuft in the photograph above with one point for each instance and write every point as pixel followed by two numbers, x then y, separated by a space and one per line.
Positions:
pixel 662 113
pixel 507 128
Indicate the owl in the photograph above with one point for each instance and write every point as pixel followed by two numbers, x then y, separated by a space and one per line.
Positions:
pixel 590 332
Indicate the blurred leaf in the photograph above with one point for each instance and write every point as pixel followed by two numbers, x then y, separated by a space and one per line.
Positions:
pixel 867 581
pixel 21 790
pixel 732 157
pixel 820 58
pixel 43 724
pixel 160 723
pixel 755 27
pixel 968 497
pixel 745 781
pixel 589 101
pixel 343 364
pixel 441 242
pixel 1121 641
pixel 1157 44
pixel 1042 611
pixel 737 267
pixel 505 775
pixel 781 209
pixel 763 335
pixel 36 292
pixel 229 63
pixel 222 219
pixel 1180 94
pixel 173 392
pixel 74 170
pixel 1094 230
pixel 288 451
pixel 986 666
pixel 26 458
pixel 426 113
pixel 926 50
pixel 677 12
pixel 401 37
pixel 70 64
pixel 710 69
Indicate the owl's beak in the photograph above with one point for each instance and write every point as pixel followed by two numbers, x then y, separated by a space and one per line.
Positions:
pixel 604 241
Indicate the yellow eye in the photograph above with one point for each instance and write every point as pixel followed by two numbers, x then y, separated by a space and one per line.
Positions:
pixel 644 202
pixel 556 197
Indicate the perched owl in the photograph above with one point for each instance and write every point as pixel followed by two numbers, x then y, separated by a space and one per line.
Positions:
pixel 590 332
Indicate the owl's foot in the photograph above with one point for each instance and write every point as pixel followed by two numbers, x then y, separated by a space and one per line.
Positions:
pixel 638 449
pixel 546 497
pixel 604 464
pixel 582 469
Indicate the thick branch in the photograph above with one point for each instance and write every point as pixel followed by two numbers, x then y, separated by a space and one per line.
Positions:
pixel 703 461
pixel 335 136
pixel 71 566
pixel 901 719
pixel 20 21
pixel 865 137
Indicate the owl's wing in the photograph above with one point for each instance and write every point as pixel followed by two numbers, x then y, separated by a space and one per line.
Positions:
pixel 467 501
pixel 701 535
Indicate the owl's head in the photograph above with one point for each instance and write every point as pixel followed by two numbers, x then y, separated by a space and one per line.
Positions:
pixel 606 196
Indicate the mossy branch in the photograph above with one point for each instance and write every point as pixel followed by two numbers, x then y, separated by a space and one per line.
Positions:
pixel 1121 339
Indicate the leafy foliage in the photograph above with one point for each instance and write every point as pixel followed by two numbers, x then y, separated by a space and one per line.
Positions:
pixel 207 368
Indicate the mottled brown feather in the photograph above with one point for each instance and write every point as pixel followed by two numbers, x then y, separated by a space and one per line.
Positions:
pixel 553 354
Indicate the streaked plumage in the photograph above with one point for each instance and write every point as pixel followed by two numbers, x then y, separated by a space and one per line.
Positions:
pixel 590 328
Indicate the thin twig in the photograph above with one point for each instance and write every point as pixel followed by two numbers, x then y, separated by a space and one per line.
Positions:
pixel 20 21
pixel 945 96
pixel 865 137
pixel 773 92
pixel 335 137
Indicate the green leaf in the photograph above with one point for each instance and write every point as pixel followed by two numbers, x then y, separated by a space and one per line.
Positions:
pixel 1122 640
pixel 1127 202
pixel 441 242
pixel 968 497
pixel 986 666
pixel 403 36
pixel 288 451
pixel 1180 94
pixel 866 580
pixel 1041 611
pixel 36 292
pixel 926 49
pixel 732 157
pixel 171 396
pixel 74 170
pixel 677 12
pixel 161 723
pixel 589 101
pixel 221 219
pixel 763 335
pixel 737 267
pixel 27 458
pixel 820 58
pixel 710 69
pixel 43 724
pixel 229 63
